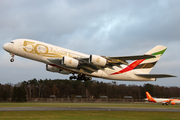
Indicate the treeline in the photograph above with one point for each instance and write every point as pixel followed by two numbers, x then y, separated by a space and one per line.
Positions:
pixel 69 88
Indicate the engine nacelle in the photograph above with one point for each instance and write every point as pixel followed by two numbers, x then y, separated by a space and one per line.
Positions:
pixel 173 103
pixel 55 69
pixel 70 62
pixel 52 68
pixel 97 60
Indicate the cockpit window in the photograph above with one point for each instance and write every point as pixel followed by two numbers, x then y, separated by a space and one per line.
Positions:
pixel 12 42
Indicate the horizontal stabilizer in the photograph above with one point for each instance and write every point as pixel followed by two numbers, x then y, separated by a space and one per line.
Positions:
pixel 154 75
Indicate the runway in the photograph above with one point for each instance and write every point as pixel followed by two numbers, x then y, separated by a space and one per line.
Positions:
pixel 86 109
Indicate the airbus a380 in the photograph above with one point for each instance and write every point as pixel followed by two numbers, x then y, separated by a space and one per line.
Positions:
pixel 83 66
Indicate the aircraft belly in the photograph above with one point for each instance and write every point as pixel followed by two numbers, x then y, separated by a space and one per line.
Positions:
pixel 176 101
pixel 99 73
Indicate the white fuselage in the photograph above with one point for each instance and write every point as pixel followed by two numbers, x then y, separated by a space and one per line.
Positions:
pixel 40 51
pixel 165 100
pixel 161 100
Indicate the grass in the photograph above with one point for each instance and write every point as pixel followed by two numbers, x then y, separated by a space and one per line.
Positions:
pixel 88 115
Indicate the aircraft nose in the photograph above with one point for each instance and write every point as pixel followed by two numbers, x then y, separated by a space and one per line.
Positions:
pixel 5 46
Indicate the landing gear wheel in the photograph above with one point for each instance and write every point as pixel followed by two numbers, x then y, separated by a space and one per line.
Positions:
pixel 72 77
pixel 83 77
pixel 75 77
pixel 80 77
pixel 12 60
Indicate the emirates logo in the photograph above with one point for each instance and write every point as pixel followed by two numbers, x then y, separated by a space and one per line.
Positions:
pixel 98 60
pixel 70 61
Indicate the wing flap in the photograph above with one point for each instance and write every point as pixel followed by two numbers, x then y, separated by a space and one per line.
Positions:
pixel 123 59
pixel 136 57
pixel 155 75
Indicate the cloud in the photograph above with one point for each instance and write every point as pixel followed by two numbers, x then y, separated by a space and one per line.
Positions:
pixel 104 27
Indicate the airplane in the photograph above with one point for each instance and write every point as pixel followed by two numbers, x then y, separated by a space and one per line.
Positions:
pixel 166 101
pixel 83 66
pixel 175 101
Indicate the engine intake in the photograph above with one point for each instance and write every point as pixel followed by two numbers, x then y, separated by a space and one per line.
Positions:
pixel 97 60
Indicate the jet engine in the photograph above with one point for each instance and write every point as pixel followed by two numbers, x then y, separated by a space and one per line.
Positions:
pixel 97 60
pixel 52 68
pixel 173 103
pixel 70 62
pixel 55 69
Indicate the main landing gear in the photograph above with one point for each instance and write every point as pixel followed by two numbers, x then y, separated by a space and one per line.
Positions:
pixel 12 59
pixel 80 77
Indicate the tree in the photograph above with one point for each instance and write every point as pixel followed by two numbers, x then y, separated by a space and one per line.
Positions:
pixel 5 95
pixel 148 87
pixel 19 94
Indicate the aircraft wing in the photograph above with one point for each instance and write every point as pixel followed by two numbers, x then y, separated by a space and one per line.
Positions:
pixel 136 57
pixel 111 61
pixel 122 59
pixel 155 75
pixel 56 61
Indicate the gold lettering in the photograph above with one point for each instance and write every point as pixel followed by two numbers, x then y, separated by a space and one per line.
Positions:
pixel 37 49
pixel 26 44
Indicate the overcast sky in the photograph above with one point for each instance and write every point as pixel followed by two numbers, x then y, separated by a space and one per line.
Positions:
pixel 101 27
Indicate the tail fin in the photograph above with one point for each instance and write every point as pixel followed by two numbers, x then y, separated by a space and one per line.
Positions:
pixel 148 95
pixel 147 65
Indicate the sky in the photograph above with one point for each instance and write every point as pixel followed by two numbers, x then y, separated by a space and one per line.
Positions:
pixel 103 27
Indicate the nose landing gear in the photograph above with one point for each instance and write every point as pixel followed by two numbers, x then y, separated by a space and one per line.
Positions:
pixel 12 59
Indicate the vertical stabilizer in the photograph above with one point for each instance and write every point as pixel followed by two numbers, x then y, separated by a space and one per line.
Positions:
pixel 149 97
pixel 147 64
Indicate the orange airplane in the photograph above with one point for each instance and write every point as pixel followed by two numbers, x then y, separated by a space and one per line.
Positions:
pixel 166 101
